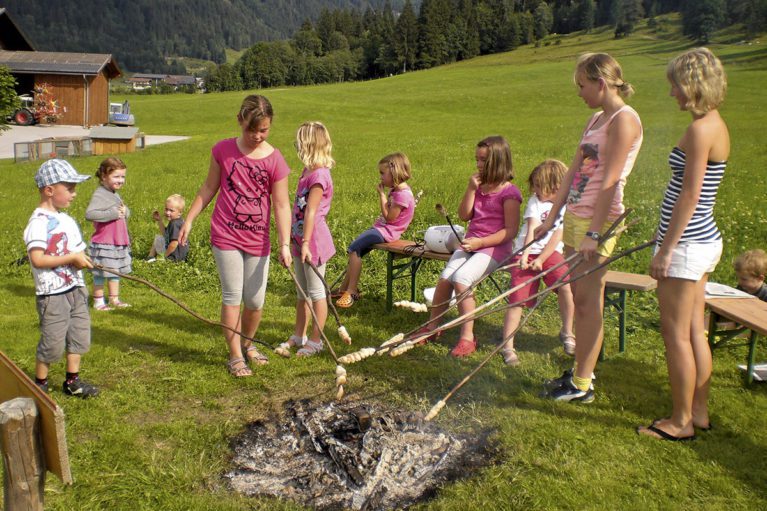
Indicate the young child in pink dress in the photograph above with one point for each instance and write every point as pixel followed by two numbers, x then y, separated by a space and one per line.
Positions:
pixel 491 206
pixel 397 209
pixel 310 232
pixel 248 174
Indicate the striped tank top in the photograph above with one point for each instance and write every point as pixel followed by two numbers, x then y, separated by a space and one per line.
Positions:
pixel 702 227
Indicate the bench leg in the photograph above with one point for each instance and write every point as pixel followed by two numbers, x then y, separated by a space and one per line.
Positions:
pixel 389 280
pixel 751 355
pixel 622 321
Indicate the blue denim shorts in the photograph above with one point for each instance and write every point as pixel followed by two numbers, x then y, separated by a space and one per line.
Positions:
pixel 365 241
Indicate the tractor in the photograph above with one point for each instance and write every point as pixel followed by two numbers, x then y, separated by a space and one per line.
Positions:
pixel 25 114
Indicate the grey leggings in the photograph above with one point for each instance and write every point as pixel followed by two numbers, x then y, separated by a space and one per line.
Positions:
pixel 243 277
pixel 310 282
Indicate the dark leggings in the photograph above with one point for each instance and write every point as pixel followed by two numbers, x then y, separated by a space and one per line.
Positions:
pixel 365 241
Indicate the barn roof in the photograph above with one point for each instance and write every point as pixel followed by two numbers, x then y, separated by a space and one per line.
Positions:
pixel 11 36
pixel 49 62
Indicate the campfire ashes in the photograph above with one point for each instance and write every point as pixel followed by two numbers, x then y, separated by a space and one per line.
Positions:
pixel 351 456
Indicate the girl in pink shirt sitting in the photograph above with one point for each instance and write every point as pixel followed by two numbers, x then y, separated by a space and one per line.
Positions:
pixel 397 209
pixel 491 206
pixel 248 174
pixel 110 243
pixel 310 232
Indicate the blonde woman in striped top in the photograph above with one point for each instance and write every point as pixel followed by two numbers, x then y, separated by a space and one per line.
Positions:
pixel 689 244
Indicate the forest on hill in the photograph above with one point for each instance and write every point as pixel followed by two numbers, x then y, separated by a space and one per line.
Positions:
pixel 298 42
pixel 349 45
pixel 145 35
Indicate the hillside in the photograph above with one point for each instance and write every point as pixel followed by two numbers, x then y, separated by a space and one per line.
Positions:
pixel 144 33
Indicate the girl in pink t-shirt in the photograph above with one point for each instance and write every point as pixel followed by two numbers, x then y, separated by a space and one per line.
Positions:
pixel 397 209
pixel 110 243
pixel 248 174
pixel 491 206
pixel 592 189
pixel 312 242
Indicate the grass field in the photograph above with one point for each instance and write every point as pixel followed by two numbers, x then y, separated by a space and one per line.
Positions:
pixel 158 437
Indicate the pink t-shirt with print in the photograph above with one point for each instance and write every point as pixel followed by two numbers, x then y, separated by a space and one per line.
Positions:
pixel 240 219
pixel 488 218
pixel 321 242
pixel 391 231
pixel 587 181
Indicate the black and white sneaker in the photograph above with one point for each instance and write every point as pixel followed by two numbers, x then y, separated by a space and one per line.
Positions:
pixel 80 388
pixel 566 377
pixel 569 392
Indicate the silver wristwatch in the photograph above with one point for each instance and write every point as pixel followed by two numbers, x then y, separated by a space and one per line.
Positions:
pixel 594 235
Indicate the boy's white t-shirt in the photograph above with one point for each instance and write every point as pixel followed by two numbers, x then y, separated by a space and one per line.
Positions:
pixel 540 210
pixel 57 234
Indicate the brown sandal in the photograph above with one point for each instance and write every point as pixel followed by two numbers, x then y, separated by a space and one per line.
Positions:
pixel 238 368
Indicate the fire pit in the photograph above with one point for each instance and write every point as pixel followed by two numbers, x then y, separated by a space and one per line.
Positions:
pixel 351 456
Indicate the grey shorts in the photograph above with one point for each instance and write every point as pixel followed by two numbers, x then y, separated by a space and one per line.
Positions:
pixel 65 324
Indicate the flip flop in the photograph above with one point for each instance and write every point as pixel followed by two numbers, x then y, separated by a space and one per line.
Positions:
pixel 699 428
pixel 310 348
pixel 662 435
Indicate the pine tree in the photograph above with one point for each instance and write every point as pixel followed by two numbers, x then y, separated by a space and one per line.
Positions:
pixel 406 30
pixel 700 18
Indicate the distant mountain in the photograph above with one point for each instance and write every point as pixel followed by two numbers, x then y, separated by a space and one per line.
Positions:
pixel 143 34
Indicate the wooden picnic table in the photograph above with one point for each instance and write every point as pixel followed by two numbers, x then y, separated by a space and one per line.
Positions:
pixel 750 314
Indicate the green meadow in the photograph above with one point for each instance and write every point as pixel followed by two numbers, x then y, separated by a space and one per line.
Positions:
pixel 159 435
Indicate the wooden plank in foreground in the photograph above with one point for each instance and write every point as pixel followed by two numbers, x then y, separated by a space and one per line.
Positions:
pixel 15 383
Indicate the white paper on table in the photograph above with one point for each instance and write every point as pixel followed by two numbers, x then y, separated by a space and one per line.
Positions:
pixel 716 290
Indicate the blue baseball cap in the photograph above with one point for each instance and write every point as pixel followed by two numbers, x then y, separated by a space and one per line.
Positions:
pixel 57 171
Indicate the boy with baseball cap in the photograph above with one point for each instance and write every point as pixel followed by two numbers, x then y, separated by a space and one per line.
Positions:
pixel 56 252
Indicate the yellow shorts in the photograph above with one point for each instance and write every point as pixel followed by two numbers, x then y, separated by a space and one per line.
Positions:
pixel 575 228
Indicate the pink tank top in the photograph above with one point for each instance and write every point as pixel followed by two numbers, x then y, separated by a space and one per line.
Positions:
pixel 588 179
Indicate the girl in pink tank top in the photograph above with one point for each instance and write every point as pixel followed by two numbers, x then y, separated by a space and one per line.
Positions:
pixel 592 189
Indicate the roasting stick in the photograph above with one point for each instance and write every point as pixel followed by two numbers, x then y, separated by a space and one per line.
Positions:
pixel 180 304
pixel 342 332
pixel 401 343
pixel 340 371
pixel 441 403
pixel 612 231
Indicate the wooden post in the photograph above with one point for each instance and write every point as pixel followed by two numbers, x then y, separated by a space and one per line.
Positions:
pixel 24 479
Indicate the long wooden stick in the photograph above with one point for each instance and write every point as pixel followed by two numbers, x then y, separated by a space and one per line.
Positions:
pixel 611 232
pixel 441 403
pixel 180 304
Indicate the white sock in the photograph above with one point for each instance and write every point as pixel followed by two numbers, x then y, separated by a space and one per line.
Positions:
pixel 98 301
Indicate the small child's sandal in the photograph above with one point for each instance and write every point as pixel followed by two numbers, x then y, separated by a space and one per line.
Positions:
pixel 284 349
pixel 347 299
pixel 252 354
pixel 310 348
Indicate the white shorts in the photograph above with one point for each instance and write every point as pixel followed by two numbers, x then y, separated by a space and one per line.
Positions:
pixel 690 261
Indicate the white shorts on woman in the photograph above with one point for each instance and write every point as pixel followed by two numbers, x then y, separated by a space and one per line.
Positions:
pixel 690 261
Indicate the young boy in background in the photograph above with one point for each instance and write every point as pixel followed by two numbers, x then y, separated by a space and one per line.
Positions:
pixel 166 243
pixel 57 254
pixel 750 268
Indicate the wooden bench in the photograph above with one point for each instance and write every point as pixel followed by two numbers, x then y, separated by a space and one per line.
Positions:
pixel 617 283
pixel 414 255
pixel 749 313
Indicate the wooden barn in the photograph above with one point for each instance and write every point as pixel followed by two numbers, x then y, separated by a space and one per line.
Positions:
pixel 79 81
